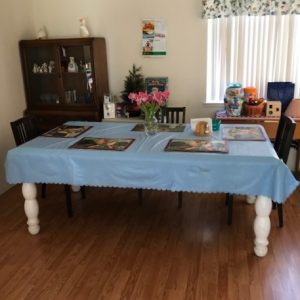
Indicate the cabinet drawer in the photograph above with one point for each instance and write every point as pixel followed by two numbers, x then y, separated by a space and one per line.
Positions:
pixel 270 128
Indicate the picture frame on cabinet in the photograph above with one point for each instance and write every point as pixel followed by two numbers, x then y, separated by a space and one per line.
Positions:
pixel 158 84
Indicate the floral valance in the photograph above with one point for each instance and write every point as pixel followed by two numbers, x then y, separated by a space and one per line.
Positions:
pixel 227 8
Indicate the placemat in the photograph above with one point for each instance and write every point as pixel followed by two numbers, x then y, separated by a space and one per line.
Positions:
pixel 162 127
pixel 98 143
pixel 188 145
pixel 66 131
pixel 243 134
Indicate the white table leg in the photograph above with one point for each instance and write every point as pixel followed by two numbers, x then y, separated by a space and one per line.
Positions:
pixel 262 225
pixel 250 199
pixel 31 207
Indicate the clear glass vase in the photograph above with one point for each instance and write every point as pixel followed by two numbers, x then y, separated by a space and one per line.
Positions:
pixel 150 125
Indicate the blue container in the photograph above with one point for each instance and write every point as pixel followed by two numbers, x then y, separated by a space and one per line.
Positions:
pixel 234 99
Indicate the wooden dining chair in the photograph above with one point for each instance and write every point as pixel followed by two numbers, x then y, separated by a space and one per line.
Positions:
pixel 26 129
pixel 173 115
pixel 170 115
pixel 282 145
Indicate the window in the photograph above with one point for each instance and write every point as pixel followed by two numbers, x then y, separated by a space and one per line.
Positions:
pixel 252 50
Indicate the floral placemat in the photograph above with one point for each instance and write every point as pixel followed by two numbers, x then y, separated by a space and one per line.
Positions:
pixel 243 134
pixel 187 145
pixel 98 143
pixel 66 131
pixel 162 127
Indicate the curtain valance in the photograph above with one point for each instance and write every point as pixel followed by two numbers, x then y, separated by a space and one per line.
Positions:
pixel 212 9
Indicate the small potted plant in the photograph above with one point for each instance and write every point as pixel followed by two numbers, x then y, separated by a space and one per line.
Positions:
pixel 133 83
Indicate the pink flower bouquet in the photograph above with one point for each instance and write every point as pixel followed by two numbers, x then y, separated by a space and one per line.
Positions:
pixel 149 103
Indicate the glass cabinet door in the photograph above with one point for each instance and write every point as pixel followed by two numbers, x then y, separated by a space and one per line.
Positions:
pixel 64 79
pixel 43 77
pixel 77 74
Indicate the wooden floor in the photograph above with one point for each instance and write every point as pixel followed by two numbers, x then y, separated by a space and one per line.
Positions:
pixel 115 249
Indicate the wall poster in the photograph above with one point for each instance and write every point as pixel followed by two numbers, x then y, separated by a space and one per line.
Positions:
pixel 154 37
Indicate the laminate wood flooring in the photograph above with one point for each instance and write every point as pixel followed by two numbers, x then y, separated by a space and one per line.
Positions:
pixel 113 248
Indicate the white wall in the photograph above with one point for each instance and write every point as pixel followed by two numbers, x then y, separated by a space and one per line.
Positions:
pixel 15 23
pixel 119 22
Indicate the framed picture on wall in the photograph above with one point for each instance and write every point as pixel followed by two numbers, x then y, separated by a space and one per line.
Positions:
pixel 154 37
pixel 156 84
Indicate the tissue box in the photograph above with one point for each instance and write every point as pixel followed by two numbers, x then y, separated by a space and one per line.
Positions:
pixel 109 110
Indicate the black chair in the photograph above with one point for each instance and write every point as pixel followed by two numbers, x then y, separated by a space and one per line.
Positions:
pixel 173 115
pixel 26 129
pixel 282 145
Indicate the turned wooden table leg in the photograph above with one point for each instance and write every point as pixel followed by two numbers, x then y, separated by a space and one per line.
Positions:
pixel 262 225
pixel 31 207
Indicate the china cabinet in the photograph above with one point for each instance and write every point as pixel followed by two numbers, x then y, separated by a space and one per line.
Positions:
pixel 64 79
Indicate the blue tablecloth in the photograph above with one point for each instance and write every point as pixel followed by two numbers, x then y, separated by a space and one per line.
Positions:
pixel 250 167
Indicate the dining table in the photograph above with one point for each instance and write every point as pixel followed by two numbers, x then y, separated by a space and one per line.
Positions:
pixel 246 166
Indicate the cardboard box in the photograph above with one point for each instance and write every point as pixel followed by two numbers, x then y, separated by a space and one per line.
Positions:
pixel 273 109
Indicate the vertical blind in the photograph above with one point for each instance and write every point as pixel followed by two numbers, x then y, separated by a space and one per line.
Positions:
pixel 252 50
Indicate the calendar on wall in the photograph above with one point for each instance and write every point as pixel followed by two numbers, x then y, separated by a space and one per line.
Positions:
pixel 154 37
